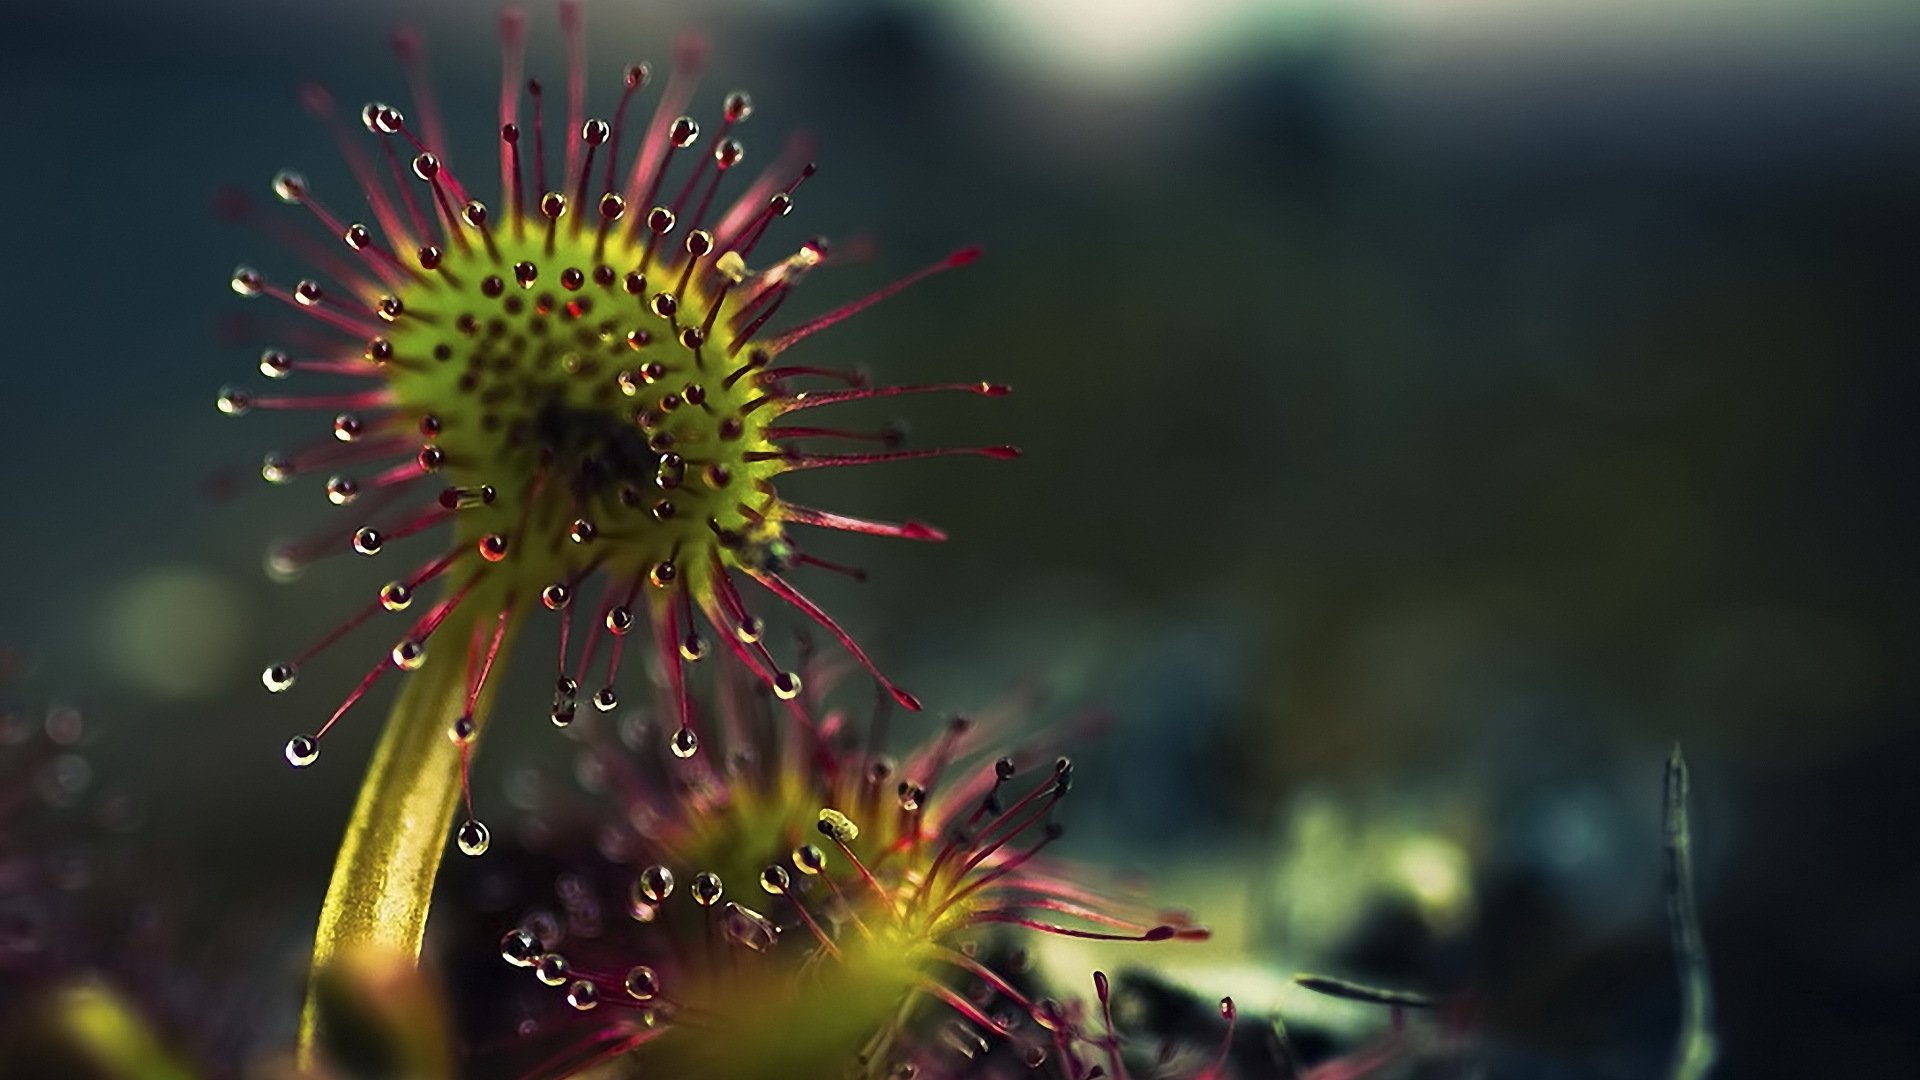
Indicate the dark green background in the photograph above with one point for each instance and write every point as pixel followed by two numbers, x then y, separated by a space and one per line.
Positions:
pixel 1417 411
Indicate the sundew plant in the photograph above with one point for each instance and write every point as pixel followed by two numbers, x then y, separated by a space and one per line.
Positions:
pixel 577 393
pixel 803 902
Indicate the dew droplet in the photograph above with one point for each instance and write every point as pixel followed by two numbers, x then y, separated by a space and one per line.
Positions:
pixel 643 983
pixel 275 364
pixel 517 947
pixel 396 595
pixel 684 131
pixel 473 837
pixel 276 468
pixel 563 712
pixel 409 654
pixel 706 889
pixel 368 541
pixel 748 928
pixel 786 685
pixel 655 883
pixel 347 427
pixel 426 166
pixel 684 743
pixel 551 968
pixel 693 647
pixel 837 826
pixel 809 859
pixel 290 186
pixel 583 995
pixel 462 729
pixel 283 563
pixel 750 630
pixel 248 282
pixel 234 401
pixel 382 119
pixel 605 699
pixel 302 751
pixel 492 547
pixel 342 490
pixel 278 677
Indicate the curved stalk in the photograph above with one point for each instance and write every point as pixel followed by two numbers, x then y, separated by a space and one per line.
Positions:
pixel 383 876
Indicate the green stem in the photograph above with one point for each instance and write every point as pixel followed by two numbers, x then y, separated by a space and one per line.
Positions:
pixel 383 875
pixel 1697 1047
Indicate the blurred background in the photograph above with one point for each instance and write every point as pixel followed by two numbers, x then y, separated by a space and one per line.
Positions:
pixel 1432 412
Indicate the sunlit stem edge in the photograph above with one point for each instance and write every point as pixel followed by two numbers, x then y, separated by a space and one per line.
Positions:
pixel 383 875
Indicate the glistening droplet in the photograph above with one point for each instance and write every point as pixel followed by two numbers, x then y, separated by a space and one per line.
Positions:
pixel 837 826
pixel 473 837
pixel 409 654
pixel 706 888
pixel 302 751
pixel 517 947
pixel 684 743
pixel 643 984
pixel 552 969
pixel 656 883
